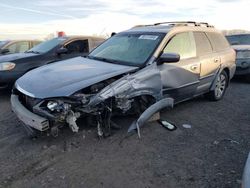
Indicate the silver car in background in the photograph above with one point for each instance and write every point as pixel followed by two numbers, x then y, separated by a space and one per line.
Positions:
pixel 241 44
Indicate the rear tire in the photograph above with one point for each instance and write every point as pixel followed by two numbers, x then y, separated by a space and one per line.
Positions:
pixel 220 87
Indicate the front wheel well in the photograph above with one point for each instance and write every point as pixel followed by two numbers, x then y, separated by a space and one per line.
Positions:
pixel 144 101
pixel 228 74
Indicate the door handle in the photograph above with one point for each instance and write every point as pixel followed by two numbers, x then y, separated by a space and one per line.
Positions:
pixel 194 67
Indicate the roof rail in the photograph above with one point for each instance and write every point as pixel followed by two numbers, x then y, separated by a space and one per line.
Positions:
pixel 186 23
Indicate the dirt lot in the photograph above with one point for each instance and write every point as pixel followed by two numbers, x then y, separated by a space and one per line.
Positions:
pixel 210 154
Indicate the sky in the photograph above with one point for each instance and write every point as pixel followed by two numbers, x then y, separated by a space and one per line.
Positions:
pixel 38 18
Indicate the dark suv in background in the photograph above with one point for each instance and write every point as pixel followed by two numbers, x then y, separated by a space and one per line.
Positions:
pixel 14 66
pixel 241 44
pixel 16 46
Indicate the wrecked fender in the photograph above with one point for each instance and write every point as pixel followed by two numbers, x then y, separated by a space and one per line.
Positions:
pixel 145 116
pixel 147 81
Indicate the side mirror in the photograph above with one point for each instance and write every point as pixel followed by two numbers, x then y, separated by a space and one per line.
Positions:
pixel 61 51
pixel 168 58
pixel 5 51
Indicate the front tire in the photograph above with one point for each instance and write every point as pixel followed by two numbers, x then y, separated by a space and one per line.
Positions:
pixel 220 87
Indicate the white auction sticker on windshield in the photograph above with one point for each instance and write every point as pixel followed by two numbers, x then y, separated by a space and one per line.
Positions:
pixel 148 37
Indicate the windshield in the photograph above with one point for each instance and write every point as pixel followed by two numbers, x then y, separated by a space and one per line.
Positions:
pixel 2 43
pixel 238 39
pixel 127 48
pixel 47 45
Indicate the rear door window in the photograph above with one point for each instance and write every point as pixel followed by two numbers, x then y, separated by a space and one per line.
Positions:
pixel 219 42
pixel 203 45
pixel 182 44
pixel 78 46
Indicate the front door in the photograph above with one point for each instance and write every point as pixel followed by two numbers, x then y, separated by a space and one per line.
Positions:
pixel 180 80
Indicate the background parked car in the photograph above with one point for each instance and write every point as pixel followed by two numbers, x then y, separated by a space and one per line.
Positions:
pixel 241 44
pixel 16 46
pixel 14 66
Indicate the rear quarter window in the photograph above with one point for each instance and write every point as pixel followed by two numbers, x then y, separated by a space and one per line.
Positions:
pixel 218 41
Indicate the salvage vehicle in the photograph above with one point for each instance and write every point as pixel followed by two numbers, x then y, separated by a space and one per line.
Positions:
pixel 141 70
pixel 246 174
pixel 13 66
pixel 241 44
pixel 16 46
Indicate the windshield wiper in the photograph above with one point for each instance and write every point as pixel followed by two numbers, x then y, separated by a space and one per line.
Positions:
pixel 103 59
pixel 31 51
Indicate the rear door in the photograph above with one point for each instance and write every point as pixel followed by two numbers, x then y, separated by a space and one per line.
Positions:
pixel 181 79
pixel 210 61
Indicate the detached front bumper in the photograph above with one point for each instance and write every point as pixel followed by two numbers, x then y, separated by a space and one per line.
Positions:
pixel 242 66
pixel 27 117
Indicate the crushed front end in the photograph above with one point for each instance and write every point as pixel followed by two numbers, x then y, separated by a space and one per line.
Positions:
pixel 47 115
pixel 120 95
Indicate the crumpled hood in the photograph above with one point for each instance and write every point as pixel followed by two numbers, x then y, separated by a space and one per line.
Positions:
pixel 67 77
pixel 241 47
pixel 16 56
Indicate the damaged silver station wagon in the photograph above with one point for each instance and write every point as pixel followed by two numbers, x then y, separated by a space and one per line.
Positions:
pixel 141 70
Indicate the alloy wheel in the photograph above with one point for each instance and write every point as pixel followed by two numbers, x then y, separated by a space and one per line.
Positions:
pixel 220 85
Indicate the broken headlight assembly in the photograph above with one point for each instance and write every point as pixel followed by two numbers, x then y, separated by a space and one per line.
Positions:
pixel 66 104
pixel 58 106
pixel 52 105
pixel 62 110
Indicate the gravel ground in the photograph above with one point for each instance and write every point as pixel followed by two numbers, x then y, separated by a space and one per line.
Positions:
pixel 211 154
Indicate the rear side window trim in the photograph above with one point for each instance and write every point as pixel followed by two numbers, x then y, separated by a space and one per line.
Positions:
pixel 210 43
pixel 213 47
